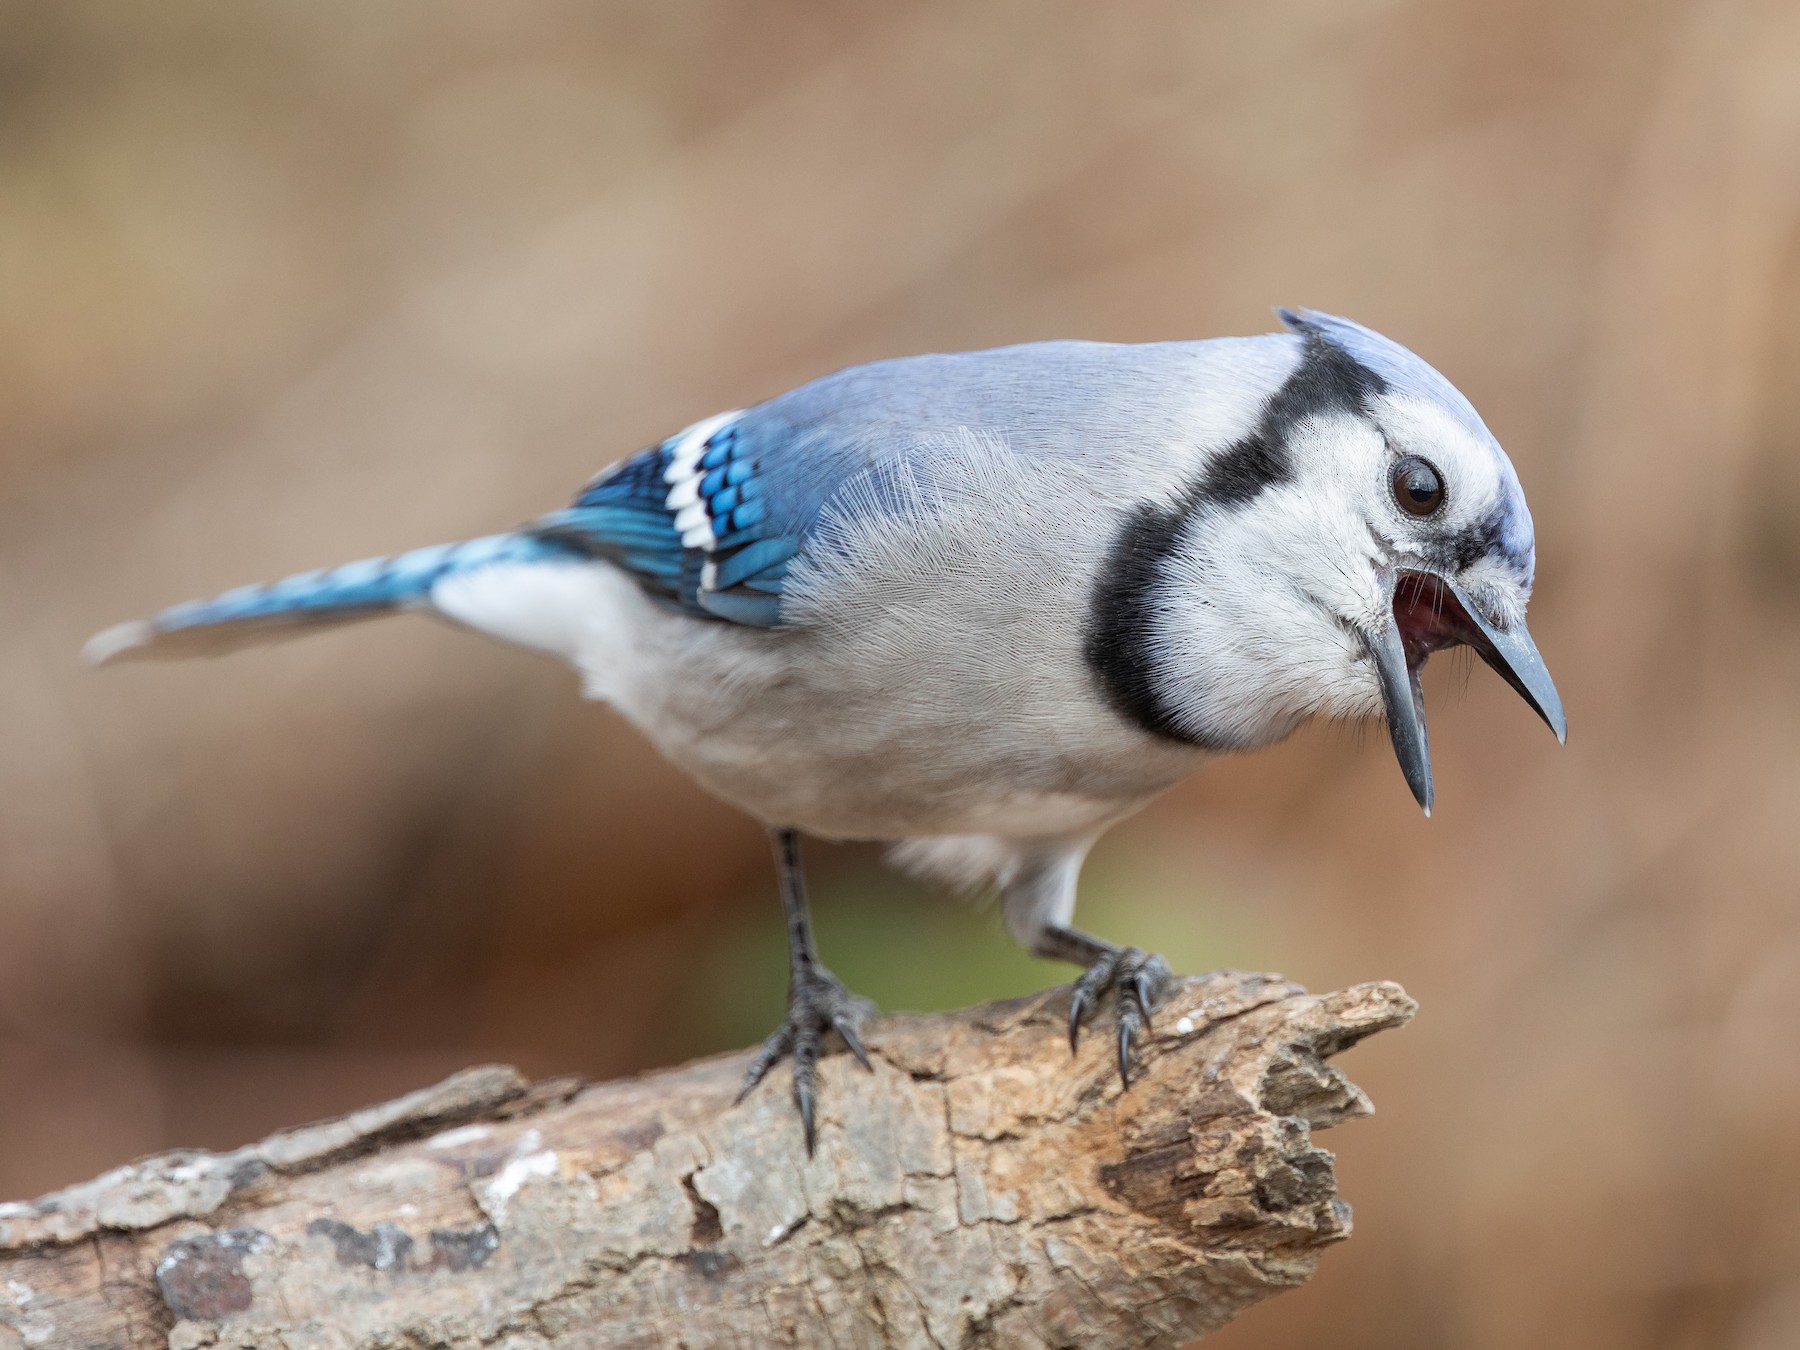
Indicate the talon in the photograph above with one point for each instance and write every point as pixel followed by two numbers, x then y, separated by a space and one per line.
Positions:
pixel 1077 1005
pixel 806 1059
pixel 803 1096
pixel 767 1058
pixel 1140 993
pixel 847 1029
pixel 1126 1025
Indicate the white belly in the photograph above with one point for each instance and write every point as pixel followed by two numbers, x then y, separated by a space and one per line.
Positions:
pixel 862 738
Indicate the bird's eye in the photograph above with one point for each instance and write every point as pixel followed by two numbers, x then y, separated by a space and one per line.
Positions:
pixel 1417 486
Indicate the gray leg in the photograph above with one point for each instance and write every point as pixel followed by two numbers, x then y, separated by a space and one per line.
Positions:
pixel 817 1002
pixel 1039 903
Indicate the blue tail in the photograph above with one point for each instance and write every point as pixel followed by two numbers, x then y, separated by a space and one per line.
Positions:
pixel 357 590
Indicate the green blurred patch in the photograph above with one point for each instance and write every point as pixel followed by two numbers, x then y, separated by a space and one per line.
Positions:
pixel 908 947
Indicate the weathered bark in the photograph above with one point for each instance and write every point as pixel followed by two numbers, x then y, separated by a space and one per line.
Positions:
pixel 978 1189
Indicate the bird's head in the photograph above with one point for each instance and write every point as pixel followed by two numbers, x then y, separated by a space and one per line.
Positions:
pixel 1368 520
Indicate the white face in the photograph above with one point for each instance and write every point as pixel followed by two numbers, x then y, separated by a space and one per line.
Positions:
pixel 1266 604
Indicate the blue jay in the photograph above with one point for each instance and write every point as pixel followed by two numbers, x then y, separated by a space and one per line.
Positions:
pixel 983 605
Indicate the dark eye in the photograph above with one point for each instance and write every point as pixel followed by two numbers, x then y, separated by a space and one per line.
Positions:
pixel 1417 487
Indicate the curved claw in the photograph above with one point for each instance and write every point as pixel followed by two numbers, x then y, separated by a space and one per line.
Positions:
pixel 1127 1025
pixel 1077 1007
pixel 806 1072
pixel 1140 993
pixel 846 1027
pixel 774 1047
pixel 803 1098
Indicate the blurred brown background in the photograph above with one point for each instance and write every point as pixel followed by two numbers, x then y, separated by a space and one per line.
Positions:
pixel 289 283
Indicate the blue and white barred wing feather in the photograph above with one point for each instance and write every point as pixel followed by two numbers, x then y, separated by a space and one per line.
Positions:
pixel 709 520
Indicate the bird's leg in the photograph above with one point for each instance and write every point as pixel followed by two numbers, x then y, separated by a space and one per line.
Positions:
pixel 1136 978
pixel 817 1002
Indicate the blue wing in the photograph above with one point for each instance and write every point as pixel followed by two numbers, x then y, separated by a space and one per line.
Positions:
pixel 695 520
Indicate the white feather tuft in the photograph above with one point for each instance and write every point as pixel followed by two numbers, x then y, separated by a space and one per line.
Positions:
pixel 962 862
pixel 549 606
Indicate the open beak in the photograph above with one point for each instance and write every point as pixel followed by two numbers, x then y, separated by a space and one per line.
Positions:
pixel 1431 612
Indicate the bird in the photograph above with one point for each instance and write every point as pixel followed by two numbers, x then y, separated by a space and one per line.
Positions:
pixel 980 606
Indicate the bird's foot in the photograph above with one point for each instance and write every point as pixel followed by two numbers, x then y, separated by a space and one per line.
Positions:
pixel 817 1004
pixel 1136 979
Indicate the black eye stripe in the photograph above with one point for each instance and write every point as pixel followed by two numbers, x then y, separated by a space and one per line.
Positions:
pixel 1417 486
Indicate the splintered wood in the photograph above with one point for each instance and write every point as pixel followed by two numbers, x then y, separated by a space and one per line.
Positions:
pixel 980 1188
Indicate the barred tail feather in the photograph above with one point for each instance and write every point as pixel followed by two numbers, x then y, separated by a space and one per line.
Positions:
pixel 251 615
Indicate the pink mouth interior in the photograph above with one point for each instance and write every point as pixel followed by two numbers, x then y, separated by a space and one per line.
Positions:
pixel 1430 618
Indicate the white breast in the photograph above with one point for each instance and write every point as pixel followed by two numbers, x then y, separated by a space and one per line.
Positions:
pixel 932 680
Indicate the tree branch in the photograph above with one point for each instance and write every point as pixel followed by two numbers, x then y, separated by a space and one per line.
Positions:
pixel 978 1189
